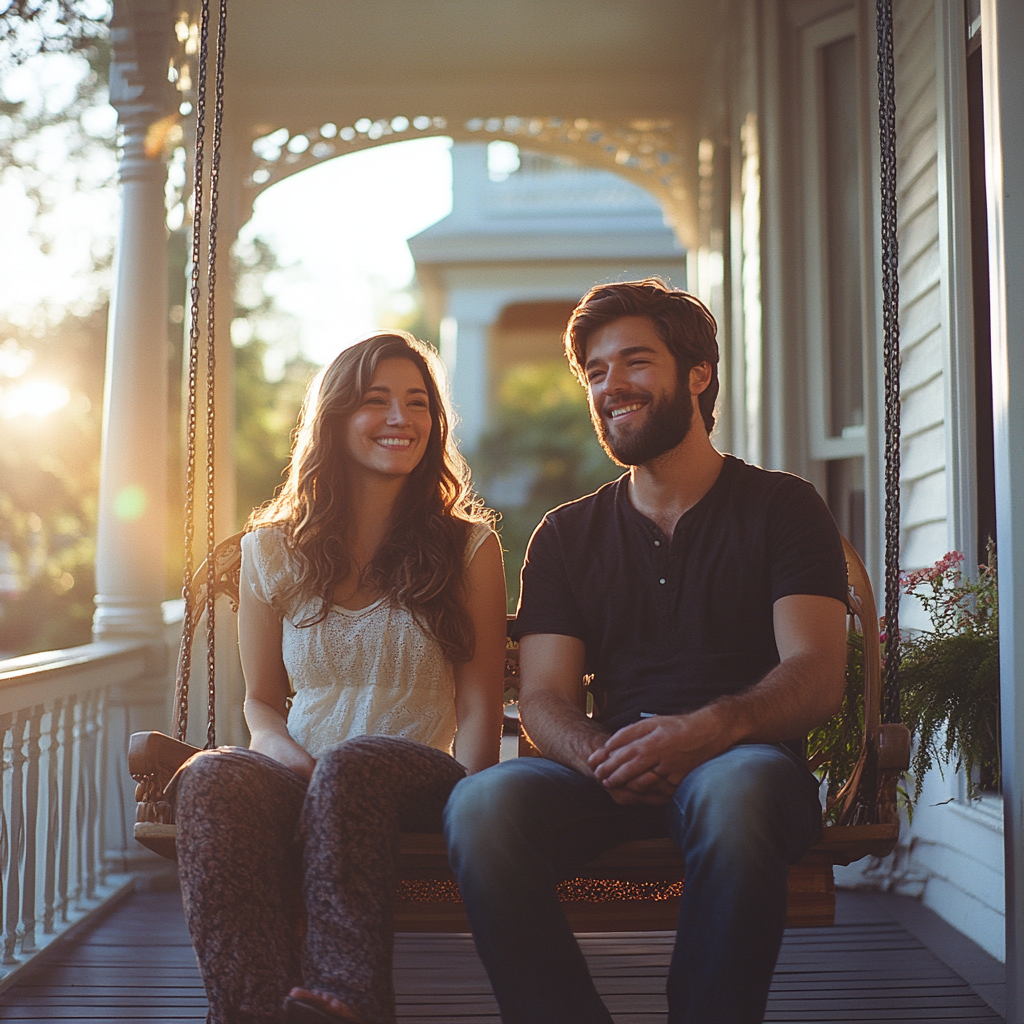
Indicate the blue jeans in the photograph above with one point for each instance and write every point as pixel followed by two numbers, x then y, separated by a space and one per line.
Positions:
pixel 739 820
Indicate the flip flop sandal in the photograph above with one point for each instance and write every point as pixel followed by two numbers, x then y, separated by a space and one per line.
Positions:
pixel 303 1011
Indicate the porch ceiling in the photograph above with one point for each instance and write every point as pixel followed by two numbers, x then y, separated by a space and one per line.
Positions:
pixel 601 59
pixel 626 66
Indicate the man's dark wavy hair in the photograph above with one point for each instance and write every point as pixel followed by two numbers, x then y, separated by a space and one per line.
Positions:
pixel 682 321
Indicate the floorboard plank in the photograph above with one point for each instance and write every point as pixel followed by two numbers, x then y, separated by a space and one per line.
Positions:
pixel 138 965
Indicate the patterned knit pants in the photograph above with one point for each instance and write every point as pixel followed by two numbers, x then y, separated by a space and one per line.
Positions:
pixel 286 886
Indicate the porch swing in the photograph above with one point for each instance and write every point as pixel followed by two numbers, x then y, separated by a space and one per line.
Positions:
pixel 634 886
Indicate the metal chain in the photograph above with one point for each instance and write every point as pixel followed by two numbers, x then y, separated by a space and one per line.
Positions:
pixel 185 672
pixel 891 357
pixel 211 362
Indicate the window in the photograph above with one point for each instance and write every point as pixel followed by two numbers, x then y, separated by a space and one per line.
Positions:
pixel 838 249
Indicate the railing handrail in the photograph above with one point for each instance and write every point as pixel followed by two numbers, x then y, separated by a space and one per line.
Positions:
pixel 62 671
pixel 36 678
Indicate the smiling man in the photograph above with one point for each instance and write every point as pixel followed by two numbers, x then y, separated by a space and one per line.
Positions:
pixel 706 598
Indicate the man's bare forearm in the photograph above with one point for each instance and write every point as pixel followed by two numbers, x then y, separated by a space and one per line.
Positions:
pixel 798 694
pixel 559 729
pixel 795 697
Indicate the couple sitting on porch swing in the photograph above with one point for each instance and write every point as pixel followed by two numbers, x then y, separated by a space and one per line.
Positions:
pixel 706 597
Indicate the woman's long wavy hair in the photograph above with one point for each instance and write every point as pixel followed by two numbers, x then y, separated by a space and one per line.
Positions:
pixel 420 563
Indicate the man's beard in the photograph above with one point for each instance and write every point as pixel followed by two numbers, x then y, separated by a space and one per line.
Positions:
pixel 667 423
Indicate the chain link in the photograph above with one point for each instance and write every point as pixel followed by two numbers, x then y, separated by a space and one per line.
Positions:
pixel 211 362
pixel 891 356
pixel 185 661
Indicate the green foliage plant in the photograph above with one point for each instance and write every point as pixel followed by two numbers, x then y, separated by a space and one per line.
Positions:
pixel 835 746
pixel 539 453
pixel 949 684
pixel 949 675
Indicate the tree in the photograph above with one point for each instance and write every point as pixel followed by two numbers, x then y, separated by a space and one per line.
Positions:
pixel 32 27
pixel 49 474
pixel 270 378
pixel 540 453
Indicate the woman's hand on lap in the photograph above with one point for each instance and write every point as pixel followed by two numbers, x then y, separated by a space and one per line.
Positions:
pixel 286 751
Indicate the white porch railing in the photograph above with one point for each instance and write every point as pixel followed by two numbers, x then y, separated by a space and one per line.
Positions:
pixel 67 801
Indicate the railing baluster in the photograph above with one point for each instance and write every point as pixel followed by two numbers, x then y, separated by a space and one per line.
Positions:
pixel 100 781
pixel 52 815
pixel 91 821
pixel 5 784
pixel 80 770
pixel 67 742
pixel 17 844
pixel 29 893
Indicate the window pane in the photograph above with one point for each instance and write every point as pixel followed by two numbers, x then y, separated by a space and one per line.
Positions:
pixel 842 225
pixel 845 499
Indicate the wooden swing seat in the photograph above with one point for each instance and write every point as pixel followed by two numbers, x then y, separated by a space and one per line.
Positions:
pixel 632 887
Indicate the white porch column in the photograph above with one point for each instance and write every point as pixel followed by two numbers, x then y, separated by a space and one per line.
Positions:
pixel 473 313
pixel 1002 27
pixel 133 490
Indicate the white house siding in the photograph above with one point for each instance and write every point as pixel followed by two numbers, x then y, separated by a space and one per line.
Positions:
pixel 952 854
pixel 922 332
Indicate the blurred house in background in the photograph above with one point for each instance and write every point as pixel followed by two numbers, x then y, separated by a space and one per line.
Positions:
pixel 528 235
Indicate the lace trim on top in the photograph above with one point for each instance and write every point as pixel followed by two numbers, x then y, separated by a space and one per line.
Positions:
pixel 372 671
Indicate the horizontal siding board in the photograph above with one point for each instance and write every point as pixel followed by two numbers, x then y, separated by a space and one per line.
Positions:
pixel 922 407
pixel 919 233
pixel 923 545
pixel 923 360
pixel 924 500
pixel 918 145
pixel 922 273
pixel 919 320
pixel 911 20
pixel 916 192
pixel 923 453
pixel 942 861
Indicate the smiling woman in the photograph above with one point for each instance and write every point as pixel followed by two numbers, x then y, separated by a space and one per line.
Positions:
pixel 372 601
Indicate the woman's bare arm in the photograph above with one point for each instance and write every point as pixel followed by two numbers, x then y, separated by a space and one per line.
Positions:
pixel 266 683
pixel 479 683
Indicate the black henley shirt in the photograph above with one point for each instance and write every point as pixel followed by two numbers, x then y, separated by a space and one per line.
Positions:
pixel 671 624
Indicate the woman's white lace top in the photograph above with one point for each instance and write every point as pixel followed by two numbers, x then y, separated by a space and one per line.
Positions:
pixel 374 671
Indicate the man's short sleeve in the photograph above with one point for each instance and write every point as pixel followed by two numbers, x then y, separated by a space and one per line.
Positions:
pixel 806 548
pixel 546 601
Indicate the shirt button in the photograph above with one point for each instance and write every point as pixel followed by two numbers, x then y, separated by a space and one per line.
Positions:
pixel 657 543
pixel 662 580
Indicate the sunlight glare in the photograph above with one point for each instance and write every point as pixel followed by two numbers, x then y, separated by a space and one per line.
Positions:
pixel 36 398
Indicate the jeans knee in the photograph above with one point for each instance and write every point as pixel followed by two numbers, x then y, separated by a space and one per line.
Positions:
pixel 474 808
pixel 487 813
pixel 750 800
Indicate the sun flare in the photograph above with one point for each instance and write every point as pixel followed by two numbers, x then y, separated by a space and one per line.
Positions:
pixel 38 398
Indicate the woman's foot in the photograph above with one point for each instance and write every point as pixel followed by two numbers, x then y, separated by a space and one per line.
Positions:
pixel 307 1006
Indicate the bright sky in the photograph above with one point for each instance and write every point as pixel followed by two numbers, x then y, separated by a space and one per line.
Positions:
pixel 341 229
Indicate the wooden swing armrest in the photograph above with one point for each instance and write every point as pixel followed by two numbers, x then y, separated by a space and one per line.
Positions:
pixel 885 749
pixel 154 754
pixel 153 758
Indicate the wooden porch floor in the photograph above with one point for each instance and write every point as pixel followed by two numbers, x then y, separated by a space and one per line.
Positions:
pixel 887 959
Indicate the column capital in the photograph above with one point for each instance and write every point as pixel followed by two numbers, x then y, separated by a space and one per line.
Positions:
pixel 142 34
